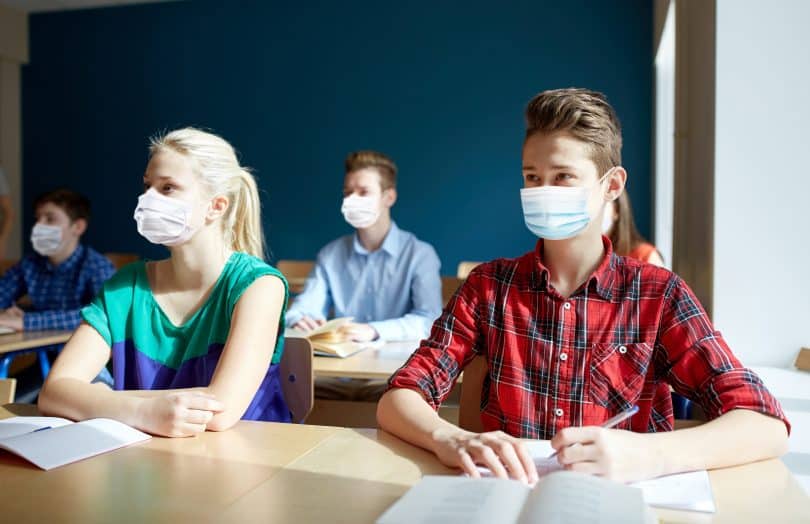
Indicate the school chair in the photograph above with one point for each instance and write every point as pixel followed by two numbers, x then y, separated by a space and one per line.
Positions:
pixel 469 405
pixel 120 260
pixel 449 287
pixel 464 269
pixel 7 388
pixel 297 378
pixel 803 359
pixel 296 273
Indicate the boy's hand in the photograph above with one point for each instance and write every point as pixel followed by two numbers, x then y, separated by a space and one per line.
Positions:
pixel 307 324
pixel 12 318
pixel 505 456
pixel 178 414
pixel 358 332
pixel 615 454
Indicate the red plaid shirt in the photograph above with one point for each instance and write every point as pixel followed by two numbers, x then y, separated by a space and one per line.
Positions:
pixel 631 331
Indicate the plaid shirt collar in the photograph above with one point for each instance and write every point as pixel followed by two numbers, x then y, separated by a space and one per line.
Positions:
pixel 601 280
pixel 67 265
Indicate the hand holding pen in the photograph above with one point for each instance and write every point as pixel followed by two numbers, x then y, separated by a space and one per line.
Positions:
pixel 609 423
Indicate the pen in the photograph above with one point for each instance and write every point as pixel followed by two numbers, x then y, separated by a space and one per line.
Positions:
pixel 41 429
pixel 611 422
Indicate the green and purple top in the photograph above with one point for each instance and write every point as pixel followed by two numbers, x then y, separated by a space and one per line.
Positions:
pixel 150 352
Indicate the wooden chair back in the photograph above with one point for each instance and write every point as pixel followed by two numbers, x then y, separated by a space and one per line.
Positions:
pixel 297 379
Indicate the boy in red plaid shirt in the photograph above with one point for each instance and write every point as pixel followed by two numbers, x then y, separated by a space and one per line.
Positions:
pixel 574 334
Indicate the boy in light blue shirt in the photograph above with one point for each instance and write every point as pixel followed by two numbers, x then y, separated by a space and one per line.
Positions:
pixel 385 278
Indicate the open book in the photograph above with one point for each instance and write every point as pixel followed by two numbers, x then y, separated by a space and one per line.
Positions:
pixel 327 341
pixel 683 491
pixel 50 442
pixel 562 497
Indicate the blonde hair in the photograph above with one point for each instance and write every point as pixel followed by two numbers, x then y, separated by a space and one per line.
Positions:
pixel 214 161
pixel 586 115
pixel 374 159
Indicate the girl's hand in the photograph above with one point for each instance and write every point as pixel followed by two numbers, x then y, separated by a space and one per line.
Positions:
pixel 178 414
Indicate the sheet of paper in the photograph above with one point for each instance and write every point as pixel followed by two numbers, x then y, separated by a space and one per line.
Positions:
pixel 51 448
pixel 454 500
pixel 5 330
pixel 540 451
pixel 14 426
pixel 686 491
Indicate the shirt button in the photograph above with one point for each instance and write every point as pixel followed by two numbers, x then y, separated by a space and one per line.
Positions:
pixel 567 305
pixel 622 349
pixel 563 356
pixel 558 412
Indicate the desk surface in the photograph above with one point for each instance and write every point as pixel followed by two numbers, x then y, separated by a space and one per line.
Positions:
pixel 32 339
pixel 266 472
pixel 371 363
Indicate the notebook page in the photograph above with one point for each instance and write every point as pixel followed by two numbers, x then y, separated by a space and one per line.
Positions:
pixel 13 426
pixel 62 445
pixel 686 491
pixel 540 451
pixel 458 500
pixel 572 498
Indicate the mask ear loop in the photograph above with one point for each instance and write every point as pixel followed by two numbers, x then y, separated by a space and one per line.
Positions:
pixel 603 177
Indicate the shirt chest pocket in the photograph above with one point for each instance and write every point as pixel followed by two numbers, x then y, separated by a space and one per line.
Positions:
pixel 618 373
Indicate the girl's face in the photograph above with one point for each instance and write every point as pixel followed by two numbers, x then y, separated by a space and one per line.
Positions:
pixel 170 174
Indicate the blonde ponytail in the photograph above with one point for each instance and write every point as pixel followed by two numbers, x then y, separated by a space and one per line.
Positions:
pixel 214 160
pixel 247 217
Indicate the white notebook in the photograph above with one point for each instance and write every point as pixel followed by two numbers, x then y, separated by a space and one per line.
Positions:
pixel 50 442
pixel 562 497
pixel 684 491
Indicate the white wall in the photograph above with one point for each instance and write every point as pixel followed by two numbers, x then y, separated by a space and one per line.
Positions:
pixel 762 179
pixel 665 137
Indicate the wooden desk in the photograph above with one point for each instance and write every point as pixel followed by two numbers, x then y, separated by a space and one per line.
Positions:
pixel 266 472
pixel 368 364
pixel 14 344
pixel 32 339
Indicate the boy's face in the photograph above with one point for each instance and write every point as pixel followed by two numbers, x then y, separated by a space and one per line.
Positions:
pixel 368 183
pixel 50 214
pixel 558 159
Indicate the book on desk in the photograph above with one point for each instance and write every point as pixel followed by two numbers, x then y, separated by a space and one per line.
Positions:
pixel 50 442
pixel 328 341
pixel 559 497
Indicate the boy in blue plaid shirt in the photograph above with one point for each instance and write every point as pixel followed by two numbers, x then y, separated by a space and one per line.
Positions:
pixel 62 276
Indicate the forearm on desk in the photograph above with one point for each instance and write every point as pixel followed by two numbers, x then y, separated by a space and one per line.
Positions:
pixel 404 413
pixel 78 400
pixel 737 437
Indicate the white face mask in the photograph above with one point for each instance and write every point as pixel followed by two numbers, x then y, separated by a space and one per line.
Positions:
pixel 557 212
pixel 163 220
pixel 46 239
pixel 361 211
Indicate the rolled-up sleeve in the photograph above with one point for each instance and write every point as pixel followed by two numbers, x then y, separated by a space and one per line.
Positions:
pixel 454 340
pixel 699 364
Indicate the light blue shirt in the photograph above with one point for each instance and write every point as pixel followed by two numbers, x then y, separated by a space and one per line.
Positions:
pixel 396 289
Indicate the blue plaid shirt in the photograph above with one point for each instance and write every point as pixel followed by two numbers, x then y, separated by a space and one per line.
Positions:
pixel 57 292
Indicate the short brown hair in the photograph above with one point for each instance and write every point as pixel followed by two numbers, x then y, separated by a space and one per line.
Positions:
pixel 379 161
pixel 75 205
pixel 585 115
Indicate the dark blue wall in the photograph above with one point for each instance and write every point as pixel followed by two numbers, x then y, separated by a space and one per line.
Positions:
pixel 440 86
